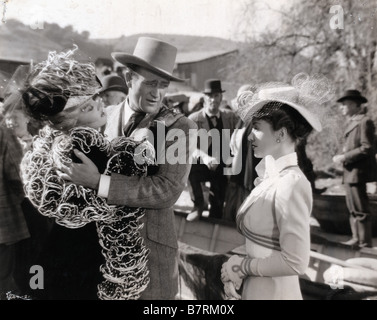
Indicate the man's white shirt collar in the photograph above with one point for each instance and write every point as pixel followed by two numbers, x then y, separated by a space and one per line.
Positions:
pixel 127 112
pixel 217 115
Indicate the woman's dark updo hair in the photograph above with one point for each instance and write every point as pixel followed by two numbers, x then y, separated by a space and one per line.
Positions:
pixel 284 116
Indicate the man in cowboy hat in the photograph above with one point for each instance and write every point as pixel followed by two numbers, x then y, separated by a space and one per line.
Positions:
pixel 210 159
pixel 359 165
pixel 114 89
pixel 148 74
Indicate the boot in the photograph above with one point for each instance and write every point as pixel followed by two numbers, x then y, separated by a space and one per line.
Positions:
pixel 365 232
pixel 355 236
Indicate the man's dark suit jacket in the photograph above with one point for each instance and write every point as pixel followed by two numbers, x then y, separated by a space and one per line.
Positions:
pixel 359 151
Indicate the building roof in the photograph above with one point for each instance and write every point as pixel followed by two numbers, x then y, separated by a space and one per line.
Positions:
pixel 197 56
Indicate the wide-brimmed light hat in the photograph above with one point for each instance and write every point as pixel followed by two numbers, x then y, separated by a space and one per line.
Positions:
pixel 305 95
pixel 152 54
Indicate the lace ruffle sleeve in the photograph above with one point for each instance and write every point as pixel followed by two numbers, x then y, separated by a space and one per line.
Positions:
pixel 71 205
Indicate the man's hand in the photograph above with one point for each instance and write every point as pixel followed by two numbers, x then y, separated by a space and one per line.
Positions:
pixel 85 173
pixel 211 163
pixel 339 158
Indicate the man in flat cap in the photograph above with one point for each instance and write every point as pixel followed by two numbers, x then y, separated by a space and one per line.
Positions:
pixel 148 74
pixel 359 165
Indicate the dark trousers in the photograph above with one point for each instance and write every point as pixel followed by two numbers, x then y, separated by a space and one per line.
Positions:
pixel 360 218
pixel 218 182
pixel 7 261
pixel 28 250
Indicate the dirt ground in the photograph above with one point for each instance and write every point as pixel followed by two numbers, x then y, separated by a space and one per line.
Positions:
pixel 333 186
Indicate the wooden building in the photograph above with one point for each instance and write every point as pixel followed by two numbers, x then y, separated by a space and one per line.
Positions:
pixel 199 66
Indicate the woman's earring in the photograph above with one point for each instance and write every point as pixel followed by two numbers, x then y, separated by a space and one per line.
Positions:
pixel 278 140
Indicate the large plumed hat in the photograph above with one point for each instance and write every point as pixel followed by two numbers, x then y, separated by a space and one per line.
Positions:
pixel 152 54
pixel 305 95
pixel 52 82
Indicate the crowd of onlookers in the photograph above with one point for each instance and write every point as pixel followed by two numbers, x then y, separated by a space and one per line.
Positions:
pixel 230 175
pixel 211 112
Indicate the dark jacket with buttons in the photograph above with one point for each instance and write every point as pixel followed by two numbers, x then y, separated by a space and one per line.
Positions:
pixel 359 151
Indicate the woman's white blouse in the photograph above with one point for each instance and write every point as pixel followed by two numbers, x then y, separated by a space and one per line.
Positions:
pixel 275 219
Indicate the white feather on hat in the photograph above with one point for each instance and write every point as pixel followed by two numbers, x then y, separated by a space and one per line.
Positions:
pixel 305 95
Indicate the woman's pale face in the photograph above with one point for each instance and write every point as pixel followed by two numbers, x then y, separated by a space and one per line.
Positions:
pixel 263 139
pixel 92 113
pixel 17 121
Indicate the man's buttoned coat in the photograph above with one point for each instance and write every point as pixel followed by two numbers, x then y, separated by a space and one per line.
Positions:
pixel 359 151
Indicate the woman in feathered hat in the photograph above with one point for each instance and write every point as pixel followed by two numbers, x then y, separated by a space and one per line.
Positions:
pixel 275 217
pixel 64 94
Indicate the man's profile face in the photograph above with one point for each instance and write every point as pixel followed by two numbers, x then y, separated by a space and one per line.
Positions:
pixel 113 97
pixel 349 107
pixel 146 91
pixel 212 102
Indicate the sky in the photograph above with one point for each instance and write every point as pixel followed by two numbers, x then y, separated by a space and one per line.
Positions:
pixel 114 18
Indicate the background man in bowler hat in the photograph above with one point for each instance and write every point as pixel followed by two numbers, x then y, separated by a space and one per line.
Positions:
pixel 114 90
pixel 359 165
pixel 148 74
pixel 208 162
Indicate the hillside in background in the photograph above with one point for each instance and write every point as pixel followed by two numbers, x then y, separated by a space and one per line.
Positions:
pixel 20 42
pixel 183 43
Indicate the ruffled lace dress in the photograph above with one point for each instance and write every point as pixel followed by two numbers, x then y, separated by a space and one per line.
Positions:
pixel 124 268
